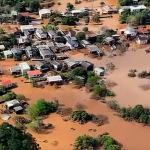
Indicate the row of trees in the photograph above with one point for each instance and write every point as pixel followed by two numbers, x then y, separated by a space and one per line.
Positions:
pixel 88 142
pixel 140 18
pixel 131 2
pixel 137 113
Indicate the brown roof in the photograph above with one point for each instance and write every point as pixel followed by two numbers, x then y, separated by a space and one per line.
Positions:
pixel 73 33
pixel 91 34
pixel 25 14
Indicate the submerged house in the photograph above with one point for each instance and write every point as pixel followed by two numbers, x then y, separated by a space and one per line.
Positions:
pixel 142 39
pixel 43 66
pixel 16 51
pixel 6 83
pixel 15 70
pixel 99 71
pixel 24 67
pixel 72 64
pixel 109 10
pixel 52 34
pixel 40 34
pixel 87 65
pixel 34 73
pixel 44 13
pixel 55 79
pixel 94 50
pixel 90 35
pixel 8 54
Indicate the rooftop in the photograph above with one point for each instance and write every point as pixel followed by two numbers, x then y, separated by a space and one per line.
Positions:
pixel 8 52
pixel 12 103
pixel 54 78
pixel 91 34
pixel 24 65
pixel 34 72
pixel 5 82
pixel 143 37
pixel 25 14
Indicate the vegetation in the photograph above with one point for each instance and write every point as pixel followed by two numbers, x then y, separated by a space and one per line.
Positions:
pixel 132 73
pixel 69 20
pixel 9 96
pixel 20 97
pixel 79 71
pixel 95 18
pixel 80 116
pixel 99 38
pixel 1 31
pixel 88 142
pixel 110 32
pixel 144 74
pixel 87 19
pixel 80 35
pixel 3 90
pixel 42 107
pixel 13 138
pixel 93 80
pixel 126 2
pixel 34 5
pixel 85 29
pixel 70 6
pixel 84 142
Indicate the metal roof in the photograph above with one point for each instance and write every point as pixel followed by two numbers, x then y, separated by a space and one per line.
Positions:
pixel 54 78
pixel 12 103
pixel 24 65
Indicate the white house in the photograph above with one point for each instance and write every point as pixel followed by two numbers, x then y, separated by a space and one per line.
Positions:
pixel 130 31
pixel 142 39
pixel 24 67
pixel 99 71
pixel 76 12
pixel 27 28
pixel 40 34
pixel 8 54
pixel 54 79
pixel 44 12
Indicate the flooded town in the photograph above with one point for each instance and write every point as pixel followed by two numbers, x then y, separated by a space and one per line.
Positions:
pixel 75 75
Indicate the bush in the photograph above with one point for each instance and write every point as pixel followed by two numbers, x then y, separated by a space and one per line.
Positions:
pixel 80 116
pixel 9 96
pixel 95 18
pixel 93 80
pixel 113 105
pixel 79 71
pixel 131 74
pixel 99 39
pixel 84 142
pixel 20 97
pixel 144 74
pixel 69 20
pixel 85 29
pixel 1 31
pixel 70 6
pixel 80 36
pixel 3 90
pixel 87 20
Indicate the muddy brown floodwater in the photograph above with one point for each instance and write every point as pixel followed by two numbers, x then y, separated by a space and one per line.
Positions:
pixel 131 135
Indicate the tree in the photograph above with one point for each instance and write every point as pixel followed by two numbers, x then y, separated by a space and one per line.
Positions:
pixel 70 6
pixel 79 71
pixel 45 107
pixel 80 35
pixel 91 74
pixel 126 2
pixel 87 19
pixel 110 32
pixel 3 90
pixel 99 38
pixel 1 31
pixel 144 118
pixel 137 111
pixel 113 105
pixel 85 29
pixel 80 115
pixel 13 39
pixel 93 80
pixel 33 111
pixel 9 96
pixel 123 17
pixel 84 142
pixel 95 18
pixel 34 5
pixel 69 20
pixel 20 6
pixel 13 138
pixel 20 97
pixel 113 147
pixel 100 90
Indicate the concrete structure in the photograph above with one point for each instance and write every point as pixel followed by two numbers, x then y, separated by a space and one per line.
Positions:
pixel 99 71
pixel 44 13
pixel 8 54
pixel 24 67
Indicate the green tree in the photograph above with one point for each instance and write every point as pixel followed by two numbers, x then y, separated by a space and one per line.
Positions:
pixel 3 90
pixel 20 6
pixel 32 111
pixel 113 147
pixel 34 5
pixel 9 96
pixel 69 20
pixel 137 111
pixel 110 32
pixel 1 31
pixel 93 80
pixel 70 6
pixel 90 74
pixel 84 142
pixel 20 97
pixel 85 29
pixel 80 35
pixel 100 90
pixel 144 118
pixel 99 38
pixel 79 71
pixel 13 138
pixel 96 18
pixel 45 107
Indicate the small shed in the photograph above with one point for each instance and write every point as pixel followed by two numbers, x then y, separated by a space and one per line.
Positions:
pixel 8 54
pixel 57 65
pixel 99 71
pixel 54 79
pixel 18 109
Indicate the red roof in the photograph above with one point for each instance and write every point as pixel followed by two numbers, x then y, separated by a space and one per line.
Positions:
pixel 5 82
pixel 34 72
pixel 25 14
pixel 143 30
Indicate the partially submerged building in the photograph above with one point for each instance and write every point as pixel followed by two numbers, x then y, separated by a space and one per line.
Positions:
pixel 8 54
pixel 24 67
pixel 94 50
pixel 87 65
pixel 57 65
pixel 72 64
pixel 6 83
pixel 44 13
pixel 99 71
pixel 54 79
pixel 43 66
pixel 142 39
pixel 15 70
pixel 40 34
pixel 34 73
